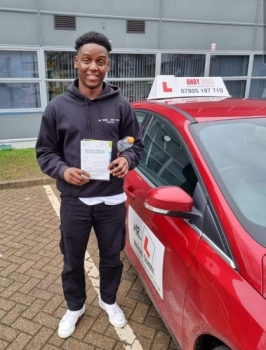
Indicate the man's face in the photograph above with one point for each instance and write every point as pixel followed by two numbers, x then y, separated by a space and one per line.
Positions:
pixel 92 62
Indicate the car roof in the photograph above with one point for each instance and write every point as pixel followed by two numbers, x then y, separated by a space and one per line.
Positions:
pixel 228 108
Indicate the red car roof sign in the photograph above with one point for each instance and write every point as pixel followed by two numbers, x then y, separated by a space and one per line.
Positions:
pixel 169 86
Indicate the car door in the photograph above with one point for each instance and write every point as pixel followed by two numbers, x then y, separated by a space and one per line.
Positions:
pixel 162 248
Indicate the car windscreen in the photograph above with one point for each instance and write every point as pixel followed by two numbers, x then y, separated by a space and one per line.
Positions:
pixel 235 151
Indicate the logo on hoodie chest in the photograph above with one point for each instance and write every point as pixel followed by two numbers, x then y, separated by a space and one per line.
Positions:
pixel 109 121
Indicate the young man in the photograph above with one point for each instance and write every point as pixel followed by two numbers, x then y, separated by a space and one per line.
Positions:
pixel 90 109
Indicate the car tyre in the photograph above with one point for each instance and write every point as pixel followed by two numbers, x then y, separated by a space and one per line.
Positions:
pixel 221 347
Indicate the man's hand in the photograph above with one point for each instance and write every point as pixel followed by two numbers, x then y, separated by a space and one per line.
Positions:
pixel 119 167
pixel 76 176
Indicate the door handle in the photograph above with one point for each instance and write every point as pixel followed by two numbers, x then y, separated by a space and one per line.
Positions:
pixel 130 192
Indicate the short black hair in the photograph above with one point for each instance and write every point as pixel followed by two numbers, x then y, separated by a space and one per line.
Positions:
pixel 93 38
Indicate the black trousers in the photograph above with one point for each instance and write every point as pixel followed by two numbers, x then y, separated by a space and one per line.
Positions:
pixel 108 222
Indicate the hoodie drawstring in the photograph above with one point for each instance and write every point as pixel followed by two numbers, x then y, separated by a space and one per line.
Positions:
pixel 88 114
pixel 100 114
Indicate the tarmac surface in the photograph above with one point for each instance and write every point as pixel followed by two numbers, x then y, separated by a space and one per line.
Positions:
pixel 31 299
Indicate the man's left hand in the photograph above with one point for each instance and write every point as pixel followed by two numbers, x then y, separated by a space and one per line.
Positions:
pixel 119 167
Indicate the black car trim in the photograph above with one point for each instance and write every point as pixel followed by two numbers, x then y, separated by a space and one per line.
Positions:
pixel 222 234
pixel 219 251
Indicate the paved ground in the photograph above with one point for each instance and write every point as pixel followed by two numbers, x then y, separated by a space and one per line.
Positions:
pixel 31 302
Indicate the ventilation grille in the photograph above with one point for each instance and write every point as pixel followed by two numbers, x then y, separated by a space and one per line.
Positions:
pixel 65 22
pixel 137 27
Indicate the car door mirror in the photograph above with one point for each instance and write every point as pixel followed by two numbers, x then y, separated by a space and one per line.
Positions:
pixel 171 201
pixel 167 199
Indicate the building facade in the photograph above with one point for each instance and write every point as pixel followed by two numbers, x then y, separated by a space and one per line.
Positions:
pixel 149 37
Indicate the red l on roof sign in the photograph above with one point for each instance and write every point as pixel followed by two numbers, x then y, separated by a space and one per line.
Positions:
pixel 169 86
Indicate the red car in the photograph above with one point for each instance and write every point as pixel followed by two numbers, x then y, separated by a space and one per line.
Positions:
pixel 196 224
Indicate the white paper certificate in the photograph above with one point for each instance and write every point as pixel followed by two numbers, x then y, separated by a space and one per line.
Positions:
pixel 95 158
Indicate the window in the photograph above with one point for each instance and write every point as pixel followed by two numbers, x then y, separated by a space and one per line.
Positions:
pixel 259 67
pixel 18 64
pixel 258 85
pixel 133 90
pixel 235 151
pixel 236 88
pixel 183 65
pixel 60 65
pixel 55 88
pixel 140 116
pixel 133 73
pixel 132 66
pixel 229 66
pixel 164 159
pixel 19 95
pixel 19 80
pixel 258 88
pixel 60 71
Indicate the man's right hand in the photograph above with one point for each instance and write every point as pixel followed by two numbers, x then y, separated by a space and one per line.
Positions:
pixel 76 176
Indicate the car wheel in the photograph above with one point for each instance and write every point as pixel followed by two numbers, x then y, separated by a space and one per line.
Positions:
pixel 221 347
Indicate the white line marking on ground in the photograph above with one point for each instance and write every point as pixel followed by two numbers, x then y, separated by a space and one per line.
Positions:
pixel 53 199
pixel 125 334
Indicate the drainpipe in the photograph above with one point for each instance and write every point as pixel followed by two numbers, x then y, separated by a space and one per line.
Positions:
pixel 256 24
pixel 39 22
pixel 160 23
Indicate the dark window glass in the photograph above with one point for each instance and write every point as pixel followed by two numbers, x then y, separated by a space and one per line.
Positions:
pixel 236 88
pixel 140 116
pixel 60 65
pixel 132 65
pixel 183 65
pixel 258 88
pixel 229 66
pixel 164 159
pixel 259 66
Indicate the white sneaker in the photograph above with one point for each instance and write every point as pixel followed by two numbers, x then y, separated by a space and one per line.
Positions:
pixel 116 315
pixel 68 323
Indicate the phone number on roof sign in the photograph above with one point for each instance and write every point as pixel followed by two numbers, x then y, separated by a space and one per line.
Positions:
pixel 203 90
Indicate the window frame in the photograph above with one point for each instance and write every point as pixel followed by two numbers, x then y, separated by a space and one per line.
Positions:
pixel 107 78
pixel 42 80
pixel 208 53
pixel 37 80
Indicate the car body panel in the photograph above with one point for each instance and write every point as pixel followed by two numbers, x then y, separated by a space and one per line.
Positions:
pixel 202 111
pixel 222 303
pixel 209 295
pixel 179 251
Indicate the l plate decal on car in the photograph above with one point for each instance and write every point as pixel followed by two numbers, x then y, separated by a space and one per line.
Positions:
pixel 148 249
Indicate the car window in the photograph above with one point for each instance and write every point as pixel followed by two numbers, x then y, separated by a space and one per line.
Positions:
pixel 235 151
pixel 165 160
pixel 140 116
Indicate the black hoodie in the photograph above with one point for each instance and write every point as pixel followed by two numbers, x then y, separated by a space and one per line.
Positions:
pixel 72 117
